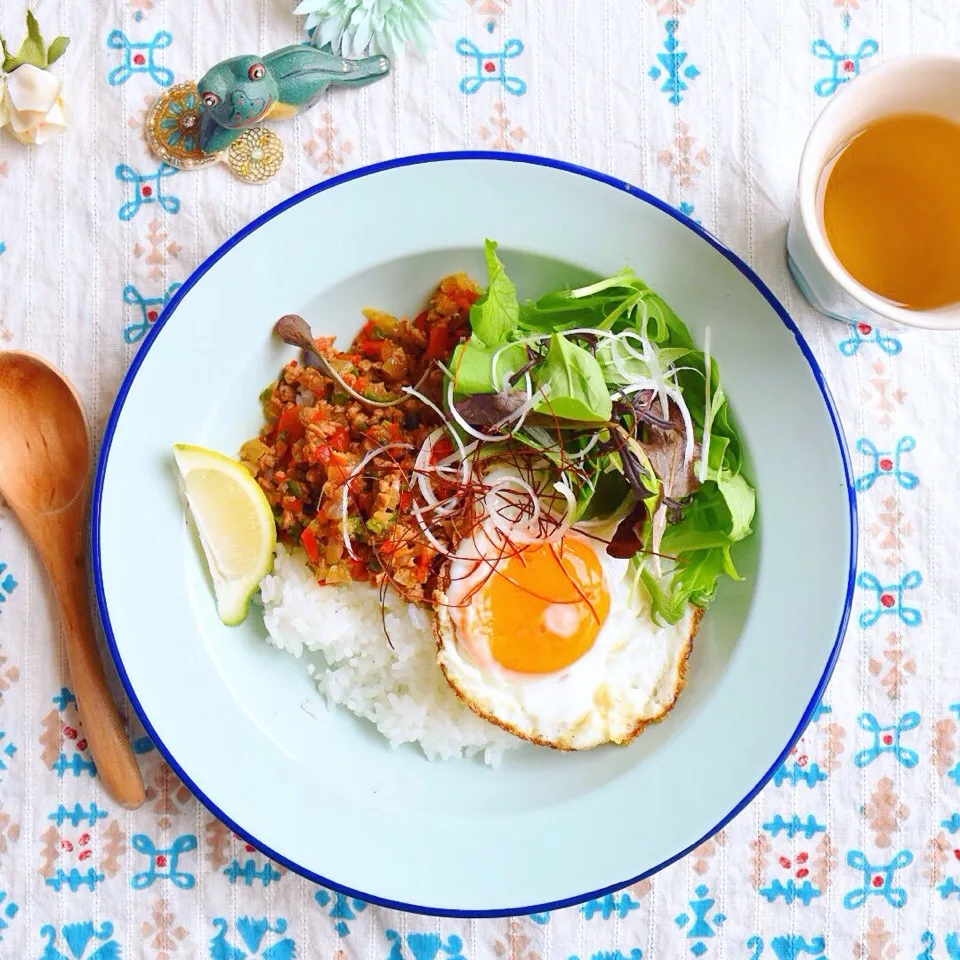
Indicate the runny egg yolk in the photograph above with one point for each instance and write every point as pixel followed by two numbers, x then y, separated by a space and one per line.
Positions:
pixel 543 607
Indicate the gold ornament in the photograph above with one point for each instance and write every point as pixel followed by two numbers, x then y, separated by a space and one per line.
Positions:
pixel 256 155
pixel 173 128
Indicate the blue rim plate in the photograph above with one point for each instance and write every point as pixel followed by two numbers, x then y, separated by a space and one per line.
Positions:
pixel 330 800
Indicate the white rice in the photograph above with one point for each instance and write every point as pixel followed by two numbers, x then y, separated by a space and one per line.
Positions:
pixel 400 690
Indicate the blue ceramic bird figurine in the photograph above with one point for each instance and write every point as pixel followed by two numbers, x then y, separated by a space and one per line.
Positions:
pixel 240 92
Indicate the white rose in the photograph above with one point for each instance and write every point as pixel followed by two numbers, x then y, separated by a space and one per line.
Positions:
pixel 31 106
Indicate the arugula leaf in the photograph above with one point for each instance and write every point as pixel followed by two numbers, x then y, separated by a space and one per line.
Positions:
pixel 495 314
pixel 574 383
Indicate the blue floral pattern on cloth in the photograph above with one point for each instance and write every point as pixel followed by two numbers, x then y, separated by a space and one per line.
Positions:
pixel 674 70
pixel 149 308
pixel 951 943
pixel 252 937
pixel 82 941
pixel 139 57
pixel 8 910
pixel 862 333
pixel 147 189
pixel 74 757
pixel 248 873
pixel 613 904
pixel 424 946
pixel 886 463
pixel 342 910
pixel 490 66
pixel 889 599
pixel 844 66
pixel 635 954
pixel 791 946
pixel 702 925
pixel 163 862
pixel 7 584
pixel 886 739
pixel 794 827
pixel 796 773
pixel 7 750
pixel 877 880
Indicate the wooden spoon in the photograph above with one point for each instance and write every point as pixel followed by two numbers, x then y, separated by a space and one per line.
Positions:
pixel 44 468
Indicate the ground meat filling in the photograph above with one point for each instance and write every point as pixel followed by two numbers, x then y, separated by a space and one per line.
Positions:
pixel 316 434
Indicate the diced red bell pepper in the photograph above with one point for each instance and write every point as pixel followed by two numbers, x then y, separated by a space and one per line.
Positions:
pixel 318 454
pixel 373 348
pixel 438 343
pixel 309 542
pixel 339 440
pixel 289 423
pixel 420 322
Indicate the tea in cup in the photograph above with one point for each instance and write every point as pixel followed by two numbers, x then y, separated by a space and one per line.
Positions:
pixel 875 237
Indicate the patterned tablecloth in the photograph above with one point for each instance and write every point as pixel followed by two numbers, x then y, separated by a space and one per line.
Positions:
pixel 853 850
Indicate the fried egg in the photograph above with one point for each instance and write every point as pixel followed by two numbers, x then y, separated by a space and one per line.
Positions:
pixel 546 643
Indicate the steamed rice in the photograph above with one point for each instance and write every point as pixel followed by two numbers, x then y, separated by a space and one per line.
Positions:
pixel 400 690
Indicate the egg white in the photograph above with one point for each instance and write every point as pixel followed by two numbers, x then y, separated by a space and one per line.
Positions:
pixel 630 677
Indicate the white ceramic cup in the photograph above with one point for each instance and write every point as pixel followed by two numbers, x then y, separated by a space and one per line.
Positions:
pixel 905 85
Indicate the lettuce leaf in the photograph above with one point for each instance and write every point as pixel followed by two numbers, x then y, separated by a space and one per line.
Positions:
pixel 573 383
pixel 496 313
pixel 472 366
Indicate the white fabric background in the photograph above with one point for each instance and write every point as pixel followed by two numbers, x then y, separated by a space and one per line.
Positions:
pixel 727 153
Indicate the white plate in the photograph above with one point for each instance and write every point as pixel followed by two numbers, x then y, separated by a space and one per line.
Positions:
pixel 331 799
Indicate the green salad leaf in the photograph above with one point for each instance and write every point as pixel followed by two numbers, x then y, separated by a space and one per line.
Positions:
pixel 494 316
pixel 573 383
pixel 472 366
pixel 608 494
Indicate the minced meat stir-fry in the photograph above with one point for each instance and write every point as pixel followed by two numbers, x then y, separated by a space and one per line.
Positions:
pixel 317 434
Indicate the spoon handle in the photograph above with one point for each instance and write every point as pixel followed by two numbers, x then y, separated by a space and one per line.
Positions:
pixel 101 721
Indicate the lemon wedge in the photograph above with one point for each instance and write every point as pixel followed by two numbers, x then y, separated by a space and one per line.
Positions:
pixel 234 522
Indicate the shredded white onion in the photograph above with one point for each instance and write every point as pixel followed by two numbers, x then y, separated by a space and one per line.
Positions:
pixel 465 471
pixel 422 464
pixel 427 532
pixel 567 522
pixel 462 423
pixel 512 529
pixel 591 443
pixel 357 470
